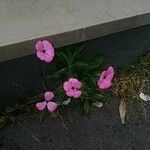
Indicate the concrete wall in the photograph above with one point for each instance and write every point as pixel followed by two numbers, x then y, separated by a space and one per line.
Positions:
pixel 64 22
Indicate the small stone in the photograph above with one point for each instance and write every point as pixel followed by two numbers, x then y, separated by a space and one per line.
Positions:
pixel 144 97
pixel 98 104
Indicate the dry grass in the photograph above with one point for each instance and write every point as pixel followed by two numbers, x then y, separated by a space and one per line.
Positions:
pixel 135 79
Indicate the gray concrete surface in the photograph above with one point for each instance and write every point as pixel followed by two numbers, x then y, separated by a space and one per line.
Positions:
pixel 64 21
pixel 22 75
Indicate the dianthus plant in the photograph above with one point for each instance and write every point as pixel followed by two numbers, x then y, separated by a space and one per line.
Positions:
pixel 70 78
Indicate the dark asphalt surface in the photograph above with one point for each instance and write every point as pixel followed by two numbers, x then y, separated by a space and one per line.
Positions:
pixel 100 131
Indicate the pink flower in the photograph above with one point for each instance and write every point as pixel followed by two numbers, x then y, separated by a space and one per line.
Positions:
pixel 105 80
pixel 72 88
pixel 51 106
pixel 45 50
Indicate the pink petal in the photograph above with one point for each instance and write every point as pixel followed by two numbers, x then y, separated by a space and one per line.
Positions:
pixel 67 86
pixel 50 52
pixel 104 84
pixel 73 80
pixel 41 105
pixel 39 46
pixel 70 93
pixel 48 58
pixel 48 95
pixel 107 74
pixel 40 55
pixel 75 83
pixel 110 73
pixel 102 76
pixel 77 94
pixel 48 46
pixel 51 106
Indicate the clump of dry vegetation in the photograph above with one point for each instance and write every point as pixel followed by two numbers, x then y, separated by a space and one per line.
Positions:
pixel 130 82
pixel 133 80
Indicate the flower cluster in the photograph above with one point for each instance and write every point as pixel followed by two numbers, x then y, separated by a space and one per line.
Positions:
pixel 72 87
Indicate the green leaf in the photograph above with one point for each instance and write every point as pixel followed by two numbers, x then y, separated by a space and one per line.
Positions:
pixel 80 69
pixel 91 78
pixel 56 74
pixel 86 106
pixel 81 64
pixel 77 52
pixel 63 57
pixel 96 62
pixel 33 99
pixel 3 121
pixel 97 97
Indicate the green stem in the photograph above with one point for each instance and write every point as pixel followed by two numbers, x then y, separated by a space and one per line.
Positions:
pixel 43 72
pixel 44 79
